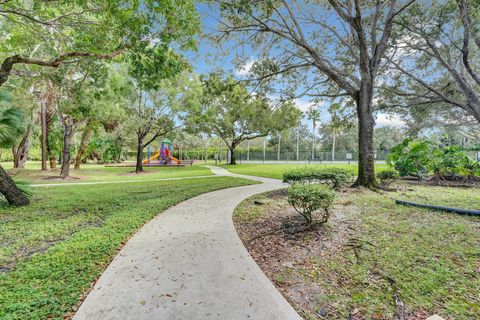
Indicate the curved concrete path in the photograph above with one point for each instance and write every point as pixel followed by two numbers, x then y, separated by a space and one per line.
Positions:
pixel 188 263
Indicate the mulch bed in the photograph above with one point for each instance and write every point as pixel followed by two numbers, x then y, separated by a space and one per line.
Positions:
pixel 447 181
pixel 281 246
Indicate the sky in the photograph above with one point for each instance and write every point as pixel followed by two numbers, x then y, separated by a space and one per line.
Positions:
pixel 205 61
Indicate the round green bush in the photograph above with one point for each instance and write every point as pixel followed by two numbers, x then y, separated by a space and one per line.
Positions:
pixel 388 175
pixel 308 198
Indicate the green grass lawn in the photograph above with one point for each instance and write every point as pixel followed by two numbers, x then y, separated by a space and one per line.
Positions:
pixel 53 250
pixel 95 172
pixel 432 258
pixel 276 170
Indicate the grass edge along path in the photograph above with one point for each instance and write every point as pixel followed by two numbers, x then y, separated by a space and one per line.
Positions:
pixel 101 173
pixel 51 282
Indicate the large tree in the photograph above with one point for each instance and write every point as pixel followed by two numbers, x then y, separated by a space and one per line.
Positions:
pixel 105 110
pixel 156 77
pixel 334 48
pixel 54 33
pixel 78 87
pixel 226 109
pixel 150 115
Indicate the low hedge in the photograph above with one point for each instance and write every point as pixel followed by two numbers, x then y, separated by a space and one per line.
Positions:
pixel 334 176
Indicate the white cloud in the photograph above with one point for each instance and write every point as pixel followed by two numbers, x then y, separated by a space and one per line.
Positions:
pixel 384 119
pixel 303 104
pixel 245 69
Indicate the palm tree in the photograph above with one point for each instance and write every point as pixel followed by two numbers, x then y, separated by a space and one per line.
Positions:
pixel 314 115
pixel 11 126
pixel 298 134
pixel 337 124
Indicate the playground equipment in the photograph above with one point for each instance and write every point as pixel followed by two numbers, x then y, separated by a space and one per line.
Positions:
pixel 163 154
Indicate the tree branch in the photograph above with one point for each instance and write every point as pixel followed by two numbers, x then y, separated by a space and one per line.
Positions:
pixel 7 64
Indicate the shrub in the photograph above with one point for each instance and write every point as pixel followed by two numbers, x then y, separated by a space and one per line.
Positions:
pixel 308 198
pixel 422 158
pixel 388 176
pixel 447 161
pixel 472 167
pixel 334 176
pixel 411 157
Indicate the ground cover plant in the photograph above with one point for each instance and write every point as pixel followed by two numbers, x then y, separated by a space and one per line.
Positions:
pixel 425 159
pixel 95 172
pixel 276 171
pixel 386 177
pixel 52 250
pixel 371 254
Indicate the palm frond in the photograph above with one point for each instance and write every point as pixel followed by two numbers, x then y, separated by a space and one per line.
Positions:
pixel 11 125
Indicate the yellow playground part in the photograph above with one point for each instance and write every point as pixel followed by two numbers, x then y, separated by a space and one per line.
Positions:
pixel 154 157
pixel 175 159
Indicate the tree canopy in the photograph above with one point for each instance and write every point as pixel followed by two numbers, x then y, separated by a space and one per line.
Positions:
pixel 226 109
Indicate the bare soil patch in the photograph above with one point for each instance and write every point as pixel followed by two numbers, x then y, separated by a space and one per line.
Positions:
pixel 57 178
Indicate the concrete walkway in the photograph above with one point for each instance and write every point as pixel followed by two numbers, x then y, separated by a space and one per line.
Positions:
pixel 188 263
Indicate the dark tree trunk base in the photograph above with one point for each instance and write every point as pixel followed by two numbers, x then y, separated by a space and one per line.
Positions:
pixel 233 160
pixel 11 192
pixel 139 164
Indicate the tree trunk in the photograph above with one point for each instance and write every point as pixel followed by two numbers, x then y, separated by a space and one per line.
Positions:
pixel 43 123
pixel 50 98
pixel 313 142
pixel 232 154
pixel 67 142
pixel 264 147
pixel 366 124
pixel 11 192
pixel 298 142
pixel 278 148
pixel 53 162
pixel 334 138
pixel 139 165
pixel 221 152
pixel 20 153
pixel 87 132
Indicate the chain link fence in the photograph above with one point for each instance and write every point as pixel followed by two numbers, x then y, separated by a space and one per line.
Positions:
pixel 304 156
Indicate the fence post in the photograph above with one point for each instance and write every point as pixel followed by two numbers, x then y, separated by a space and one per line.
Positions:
pixel 221 152
pixel 264 145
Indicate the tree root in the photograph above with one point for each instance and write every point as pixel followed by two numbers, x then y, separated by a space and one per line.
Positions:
pixel 288 230
pixel 272 232
pixel 357 245
pixel 399 304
